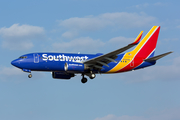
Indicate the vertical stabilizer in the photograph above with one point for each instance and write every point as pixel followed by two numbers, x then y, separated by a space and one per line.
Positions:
pixel 147 46
pixel 144 50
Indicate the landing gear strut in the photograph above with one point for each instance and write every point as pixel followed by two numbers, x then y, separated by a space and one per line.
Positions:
pixel 83 80
pixel 30 75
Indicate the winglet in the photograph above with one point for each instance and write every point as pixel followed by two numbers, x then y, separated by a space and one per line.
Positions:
pixel 137 39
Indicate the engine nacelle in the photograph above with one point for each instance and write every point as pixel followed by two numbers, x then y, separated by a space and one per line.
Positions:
pixel 77 67
pixel 61 75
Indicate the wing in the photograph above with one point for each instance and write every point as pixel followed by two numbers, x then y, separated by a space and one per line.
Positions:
pixel 99 61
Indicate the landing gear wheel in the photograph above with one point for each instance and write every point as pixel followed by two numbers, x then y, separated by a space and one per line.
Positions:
pixel 84 80
pixel 30 75
pixel 92 76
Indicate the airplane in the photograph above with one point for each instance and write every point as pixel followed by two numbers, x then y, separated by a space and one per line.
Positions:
pixel 67 65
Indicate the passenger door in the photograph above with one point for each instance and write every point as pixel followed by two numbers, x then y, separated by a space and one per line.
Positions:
pixel 36 58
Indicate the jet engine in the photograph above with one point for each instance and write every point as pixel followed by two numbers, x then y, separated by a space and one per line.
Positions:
pixel 75 67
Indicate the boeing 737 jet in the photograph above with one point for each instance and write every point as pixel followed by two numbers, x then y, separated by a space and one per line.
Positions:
pixel 67 65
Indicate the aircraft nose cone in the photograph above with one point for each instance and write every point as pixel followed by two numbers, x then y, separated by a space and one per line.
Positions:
pixel 15 63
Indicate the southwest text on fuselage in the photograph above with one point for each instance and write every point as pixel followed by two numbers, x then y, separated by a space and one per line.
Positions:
pixel 62 57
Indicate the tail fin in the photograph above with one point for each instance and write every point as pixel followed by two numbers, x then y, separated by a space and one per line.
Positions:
pixel 146 47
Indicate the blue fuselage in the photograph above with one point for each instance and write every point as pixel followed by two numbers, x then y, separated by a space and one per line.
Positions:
pixel 56 61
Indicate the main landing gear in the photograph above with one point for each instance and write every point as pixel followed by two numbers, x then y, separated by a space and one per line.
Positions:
pixel 84 80
pixel 91 76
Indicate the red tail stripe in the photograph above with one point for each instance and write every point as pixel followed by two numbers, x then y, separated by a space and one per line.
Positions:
pixel 144 52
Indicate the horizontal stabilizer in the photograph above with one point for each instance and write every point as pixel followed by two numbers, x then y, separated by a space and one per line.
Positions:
pixel 157 57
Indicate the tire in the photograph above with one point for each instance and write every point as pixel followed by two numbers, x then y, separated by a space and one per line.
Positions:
pixel 30 75
pixel 84 80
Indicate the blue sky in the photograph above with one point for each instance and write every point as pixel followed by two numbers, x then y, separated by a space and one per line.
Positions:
pixel 85 26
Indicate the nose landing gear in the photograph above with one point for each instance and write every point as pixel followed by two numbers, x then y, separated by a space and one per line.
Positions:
pixel 30 75
pixel 28 71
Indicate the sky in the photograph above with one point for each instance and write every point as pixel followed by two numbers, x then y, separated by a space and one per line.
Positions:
pixel 88 26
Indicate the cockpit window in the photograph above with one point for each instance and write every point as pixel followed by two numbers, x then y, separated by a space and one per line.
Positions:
pixel 23 57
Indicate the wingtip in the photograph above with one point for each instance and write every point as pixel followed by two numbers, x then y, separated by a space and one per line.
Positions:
pixel 171 52
pixel 138 38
